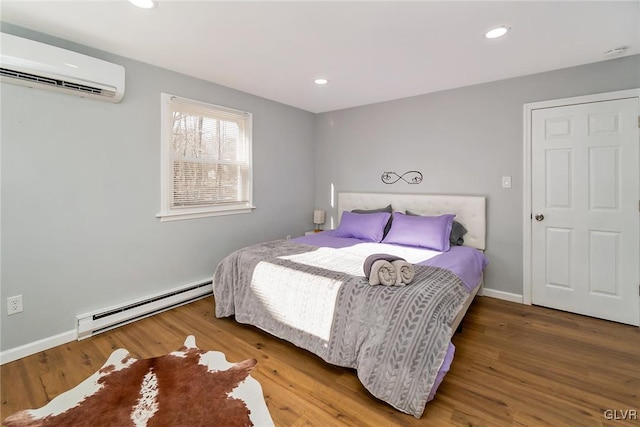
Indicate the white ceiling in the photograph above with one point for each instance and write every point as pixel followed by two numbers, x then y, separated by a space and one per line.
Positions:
pixel 371 51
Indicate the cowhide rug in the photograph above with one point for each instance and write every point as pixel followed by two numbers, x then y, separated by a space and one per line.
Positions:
pixel 189 387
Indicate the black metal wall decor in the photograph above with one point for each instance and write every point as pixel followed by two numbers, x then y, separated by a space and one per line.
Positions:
pixel 410 177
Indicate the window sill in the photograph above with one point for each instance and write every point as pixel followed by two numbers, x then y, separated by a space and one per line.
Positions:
pixel 177 216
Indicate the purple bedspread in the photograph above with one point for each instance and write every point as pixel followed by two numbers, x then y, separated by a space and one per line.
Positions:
pixel 467 263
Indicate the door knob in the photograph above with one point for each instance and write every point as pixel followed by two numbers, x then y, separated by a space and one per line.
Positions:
pixel 539 217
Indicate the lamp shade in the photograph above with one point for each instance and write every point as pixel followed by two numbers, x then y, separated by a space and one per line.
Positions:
pixel 318 216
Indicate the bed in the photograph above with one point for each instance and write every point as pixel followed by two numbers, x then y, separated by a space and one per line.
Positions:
pixel 313 291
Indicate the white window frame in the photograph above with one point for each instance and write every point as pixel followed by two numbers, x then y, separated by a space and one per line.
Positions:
pixel 168 213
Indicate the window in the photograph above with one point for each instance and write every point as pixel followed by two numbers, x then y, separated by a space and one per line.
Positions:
pixel 206 159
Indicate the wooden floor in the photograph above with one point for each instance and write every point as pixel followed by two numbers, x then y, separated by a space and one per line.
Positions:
pixel 514 365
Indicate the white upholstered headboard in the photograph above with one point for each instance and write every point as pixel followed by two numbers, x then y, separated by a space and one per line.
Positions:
pixel 470 211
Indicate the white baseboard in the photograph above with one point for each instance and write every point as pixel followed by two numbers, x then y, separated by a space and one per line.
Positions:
pixel 507 296
pixel 37 346
pixel 46 343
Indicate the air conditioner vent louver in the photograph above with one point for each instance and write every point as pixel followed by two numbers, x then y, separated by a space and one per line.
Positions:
pixel 29 63
pixel 24 76
pixel 4 72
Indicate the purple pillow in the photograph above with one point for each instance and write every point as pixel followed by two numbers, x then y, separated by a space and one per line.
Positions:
pixel 369 227
pixel 430 232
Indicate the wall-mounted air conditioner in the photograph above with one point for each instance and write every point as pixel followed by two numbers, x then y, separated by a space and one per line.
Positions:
pixel 29 63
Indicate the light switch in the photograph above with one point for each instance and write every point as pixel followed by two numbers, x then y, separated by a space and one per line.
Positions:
pixel 506 182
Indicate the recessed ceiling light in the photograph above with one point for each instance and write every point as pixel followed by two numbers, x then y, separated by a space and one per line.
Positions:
pixel 496 32
pixel 144 4
pixel 321 81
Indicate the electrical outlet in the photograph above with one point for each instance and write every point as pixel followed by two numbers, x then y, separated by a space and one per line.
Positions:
pixel 14 305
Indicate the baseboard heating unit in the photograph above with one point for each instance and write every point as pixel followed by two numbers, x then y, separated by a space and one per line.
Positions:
pixel 93 323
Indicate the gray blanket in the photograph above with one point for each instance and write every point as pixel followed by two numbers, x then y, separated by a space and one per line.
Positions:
pixel 395 337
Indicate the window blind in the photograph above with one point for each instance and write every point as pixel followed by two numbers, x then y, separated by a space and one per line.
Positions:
pixel 210 155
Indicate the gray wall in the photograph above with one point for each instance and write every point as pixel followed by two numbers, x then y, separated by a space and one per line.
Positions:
pixel 81 188
pixel 463 141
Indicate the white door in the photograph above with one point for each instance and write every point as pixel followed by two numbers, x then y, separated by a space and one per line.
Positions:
pixel 585 236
